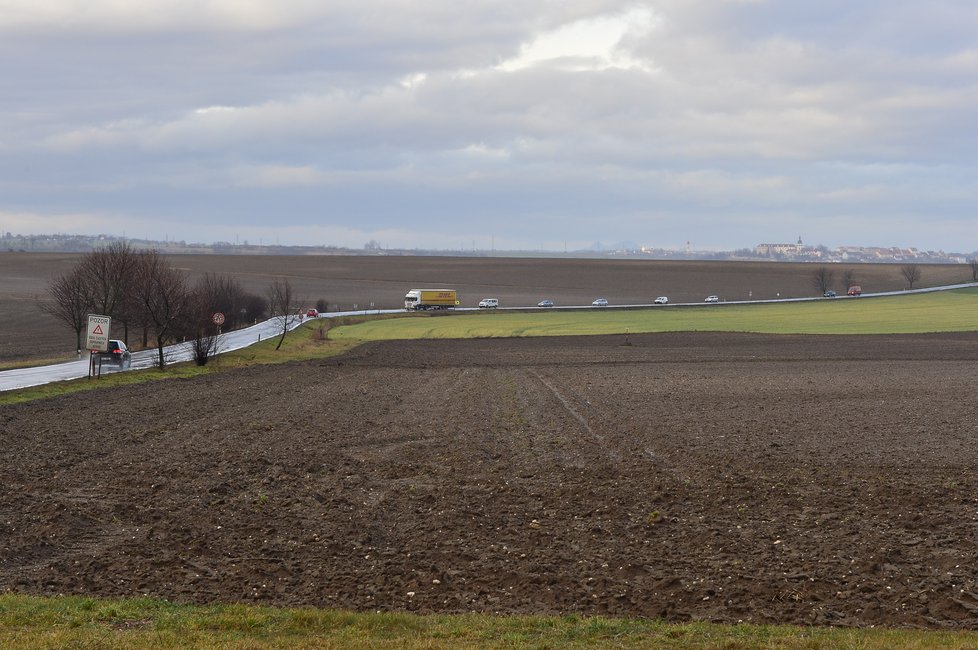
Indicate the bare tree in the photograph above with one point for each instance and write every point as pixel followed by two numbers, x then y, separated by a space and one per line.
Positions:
pixel 848 278
pixel 205 334
pixel 162 294
pixel 222 293
pixel 973 262
pixel 282 305
pixel 206 344
pixel 109 274
pixel 822 278
pixel 911 272
pixel 253 307
pixel 71 303
pixel 214 293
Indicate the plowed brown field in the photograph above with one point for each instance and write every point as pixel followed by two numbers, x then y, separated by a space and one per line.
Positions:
pixel 811 480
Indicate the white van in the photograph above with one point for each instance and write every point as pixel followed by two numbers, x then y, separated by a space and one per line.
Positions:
pixel 488 303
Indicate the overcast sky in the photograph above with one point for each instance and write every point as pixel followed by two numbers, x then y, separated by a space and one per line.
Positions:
pixel 493 123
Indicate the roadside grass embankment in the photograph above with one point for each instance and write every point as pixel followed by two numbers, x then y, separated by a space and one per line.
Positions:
pixel 303 343
pixel 945 311
pixel 81 622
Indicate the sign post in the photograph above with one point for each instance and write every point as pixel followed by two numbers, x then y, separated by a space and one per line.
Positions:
pixel 218 319
pixel 97 339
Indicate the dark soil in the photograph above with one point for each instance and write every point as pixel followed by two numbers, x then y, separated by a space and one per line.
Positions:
pixel 724 477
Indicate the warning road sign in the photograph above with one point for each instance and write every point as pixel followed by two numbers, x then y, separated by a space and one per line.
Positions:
pixel 98 332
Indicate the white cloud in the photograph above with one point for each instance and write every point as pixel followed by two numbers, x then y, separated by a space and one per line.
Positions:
pixel 586 44
pixel 154 15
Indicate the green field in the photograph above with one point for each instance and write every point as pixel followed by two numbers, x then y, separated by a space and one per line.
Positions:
pixel 78 622
pixel 945 311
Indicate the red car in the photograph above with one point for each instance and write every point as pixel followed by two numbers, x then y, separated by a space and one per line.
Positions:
pixel 855 290
pixel 312 313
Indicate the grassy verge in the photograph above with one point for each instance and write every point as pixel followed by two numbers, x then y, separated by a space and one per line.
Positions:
pixel 33 622
pixel 946 311
pixel 28 363
pixel 305 342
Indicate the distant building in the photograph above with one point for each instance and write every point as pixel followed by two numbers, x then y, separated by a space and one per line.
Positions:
pixel 780 250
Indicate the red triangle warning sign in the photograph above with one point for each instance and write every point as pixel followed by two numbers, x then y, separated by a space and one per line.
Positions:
pixel 98 330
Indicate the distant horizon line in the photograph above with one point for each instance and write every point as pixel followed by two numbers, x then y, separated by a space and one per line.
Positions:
pixel 789 252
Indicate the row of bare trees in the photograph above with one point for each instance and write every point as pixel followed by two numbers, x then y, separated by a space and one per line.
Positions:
pixel 823 277
pixel 143 292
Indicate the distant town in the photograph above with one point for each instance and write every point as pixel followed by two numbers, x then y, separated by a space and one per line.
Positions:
pixel 785 252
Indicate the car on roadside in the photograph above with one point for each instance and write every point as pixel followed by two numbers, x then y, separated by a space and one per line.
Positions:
pixel 712 299
pixel 312 313
pixel 829 294
pixel 855 290
pixel 545 303
pixel 600 302
pixel 117 354
pixel 661 300
pixel 488 303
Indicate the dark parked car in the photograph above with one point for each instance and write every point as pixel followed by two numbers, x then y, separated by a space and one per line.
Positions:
pixel 117 354
pixel 829 294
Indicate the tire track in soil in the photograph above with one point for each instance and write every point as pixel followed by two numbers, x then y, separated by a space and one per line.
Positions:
pixel 600 440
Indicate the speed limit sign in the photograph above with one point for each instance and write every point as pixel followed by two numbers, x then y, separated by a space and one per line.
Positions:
pixel 218 318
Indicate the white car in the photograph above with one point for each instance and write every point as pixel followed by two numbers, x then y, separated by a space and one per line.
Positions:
pixel 712 299
pixel 661 300
pixel 600 302
pixel 488 303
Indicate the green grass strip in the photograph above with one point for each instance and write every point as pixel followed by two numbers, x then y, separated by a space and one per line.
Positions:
pixel 81 622
pixel 945 311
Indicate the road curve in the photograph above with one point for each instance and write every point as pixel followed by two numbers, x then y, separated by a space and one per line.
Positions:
pixel 234 340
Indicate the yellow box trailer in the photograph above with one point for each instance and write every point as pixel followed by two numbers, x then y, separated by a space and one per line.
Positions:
pixel 430 299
